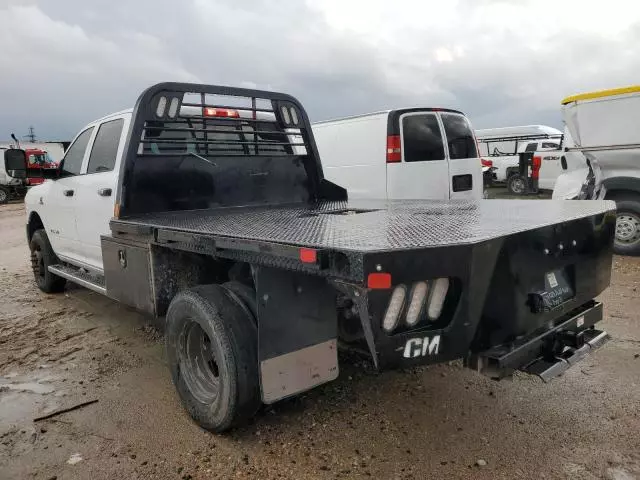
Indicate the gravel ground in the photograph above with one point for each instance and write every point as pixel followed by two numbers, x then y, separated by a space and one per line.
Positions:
pixel 437 422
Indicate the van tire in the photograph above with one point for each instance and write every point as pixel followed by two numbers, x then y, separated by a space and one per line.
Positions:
pixel 516 184
pixel 627 241
pixel 42 256
pixel 212 351
pixel 5 194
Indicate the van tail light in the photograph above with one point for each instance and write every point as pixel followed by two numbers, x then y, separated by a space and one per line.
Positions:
pixel 394 150
pixel 486 163
pixel 535 168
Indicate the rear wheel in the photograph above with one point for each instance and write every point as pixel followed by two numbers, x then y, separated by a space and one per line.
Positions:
pixel 212 349
pixel 516 184
pixel 627 240
pixel 42 256
pixel 4 195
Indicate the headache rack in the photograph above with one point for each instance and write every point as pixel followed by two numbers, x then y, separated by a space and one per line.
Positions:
pixel 517 139
pixel 197 143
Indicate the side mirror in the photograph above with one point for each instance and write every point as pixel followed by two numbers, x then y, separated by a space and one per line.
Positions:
pixel 16 166
pixel 15 163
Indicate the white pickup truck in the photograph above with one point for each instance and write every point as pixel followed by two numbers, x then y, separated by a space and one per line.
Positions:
pixel 502 146
pixel 217 222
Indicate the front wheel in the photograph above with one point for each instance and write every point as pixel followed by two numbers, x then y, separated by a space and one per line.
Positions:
pixel 212 349
pixel 42 256
pixel 627 240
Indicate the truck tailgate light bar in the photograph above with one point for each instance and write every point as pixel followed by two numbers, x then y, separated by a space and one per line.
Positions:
pixel 425 304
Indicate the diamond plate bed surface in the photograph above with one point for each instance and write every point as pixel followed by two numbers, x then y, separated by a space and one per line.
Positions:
pixel 379 225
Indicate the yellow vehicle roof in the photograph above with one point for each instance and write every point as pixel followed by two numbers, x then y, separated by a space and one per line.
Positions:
pixel 601 93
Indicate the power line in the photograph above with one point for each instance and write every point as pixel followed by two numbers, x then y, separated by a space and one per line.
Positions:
pixel 31 135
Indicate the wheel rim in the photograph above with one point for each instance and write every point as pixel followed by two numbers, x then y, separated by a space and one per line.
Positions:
pixel 627 228
pixel 3 195
pixel 198 363
pixel 37 263
pixel 517 185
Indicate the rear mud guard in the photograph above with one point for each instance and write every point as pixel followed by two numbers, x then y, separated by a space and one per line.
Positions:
pixel 297 332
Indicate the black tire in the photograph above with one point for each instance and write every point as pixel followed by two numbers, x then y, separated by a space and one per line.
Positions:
pixel 245 295
pixel 516 184
pixel 627 240
pixel 5 194
pixel 41 257
pixel 212 349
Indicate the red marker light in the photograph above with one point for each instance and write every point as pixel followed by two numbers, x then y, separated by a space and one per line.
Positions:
pixel 221 112
pixel 379 281
pixel 308 255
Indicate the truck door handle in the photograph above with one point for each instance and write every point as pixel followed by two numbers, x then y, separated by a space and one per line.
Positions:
pixel 104 192
pixel 68 193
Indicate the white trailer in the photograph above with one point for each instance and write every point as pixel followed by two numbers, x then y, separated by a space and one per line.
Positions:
pixel 604 138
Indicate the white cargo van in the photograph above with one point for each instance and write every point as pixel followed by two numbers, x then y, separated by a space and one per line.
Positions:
pixel 414 153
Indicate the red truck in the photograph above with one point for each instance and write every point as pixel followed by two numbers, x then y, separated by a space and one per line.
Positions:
pixel 37 158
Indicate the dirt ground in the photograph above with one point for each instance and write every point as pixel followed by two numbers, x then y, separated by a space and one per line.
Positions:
pixel 436 422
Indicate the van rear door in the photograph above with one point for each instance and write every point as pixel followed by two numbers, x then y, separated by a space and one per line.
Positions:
pixel 465 169
pixel 417 167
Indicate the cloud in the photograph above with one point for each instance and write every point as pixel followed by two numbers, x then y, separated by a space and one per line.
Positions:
pixel 66 62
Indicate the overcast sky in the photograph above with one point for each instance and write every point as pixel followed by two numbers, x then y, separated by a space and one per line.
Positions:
pixel 67 62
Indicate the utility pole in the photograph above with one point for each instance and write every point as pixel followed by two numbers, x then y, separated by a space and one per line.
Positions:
pixel 31 135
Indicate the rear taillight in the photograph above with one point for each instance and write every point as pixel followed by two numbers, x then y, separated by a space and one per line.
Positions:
pixel 422 303
pixel 391 316
pixel 394 149
pixel 486 163
pixel 535 167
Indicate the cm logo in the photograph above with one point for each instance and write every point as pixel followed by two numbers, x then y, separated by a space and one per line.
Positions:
pixel 419 347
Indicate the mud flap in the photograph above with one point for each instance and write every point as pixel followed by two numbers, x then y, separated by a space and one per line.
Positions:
pixel 297 332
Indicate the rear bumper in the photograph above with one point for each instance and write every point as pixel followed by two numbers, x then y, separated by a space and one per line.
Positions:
pixel 547 353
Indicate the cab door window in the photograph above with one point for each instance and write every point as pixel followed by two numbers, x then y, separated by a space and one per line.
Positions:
pixel 105 147
pixel 72 161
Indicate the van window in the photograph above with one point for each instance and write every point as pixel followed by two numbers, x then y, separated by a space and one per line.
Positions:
pixel 549 145
pixel 422 140
pixel 72 161
pixel 105 147
pixel 532 147
pixel 460 139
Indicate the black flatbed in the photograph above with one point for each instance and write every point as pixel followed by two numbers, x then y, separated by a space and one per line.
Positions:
pixel 370 225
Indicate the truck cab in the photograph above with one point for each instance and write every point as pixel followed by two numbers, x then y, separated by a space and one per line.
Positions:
pixel 75 209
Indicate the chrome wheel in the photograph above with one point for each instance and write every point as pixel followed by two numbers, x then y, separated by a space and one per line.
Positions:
pixel 627 228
